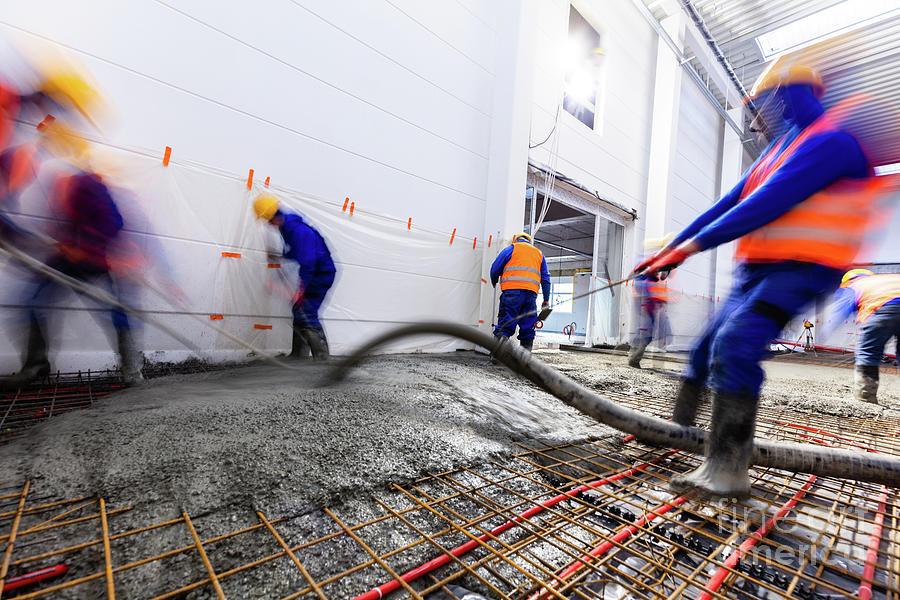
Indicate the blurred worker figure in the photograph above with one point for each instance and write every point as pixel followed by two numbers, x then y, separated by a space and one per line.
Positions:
pixel 86 224
pixel 652 299
pixel 876 300
pixel 521 270
pixel 800 215
pixel 305 245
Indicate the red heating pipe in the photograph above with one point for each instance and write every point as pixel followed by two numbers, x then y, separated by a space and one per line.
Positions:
pixel 865 588
pixel 718 578
pixel 619 537
pixel 14 583
pixel 393 585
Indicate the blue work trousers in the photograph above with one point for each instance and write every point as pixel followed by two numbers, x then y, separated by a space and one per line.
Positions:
pixel 513 303
pixel 306 310
pixel 875 333
pixel 765 296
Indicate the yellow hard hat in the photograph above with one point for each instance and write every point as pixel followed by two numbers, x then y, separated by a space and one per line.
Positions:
pixel 657 243
pixel 266 205
pixel 782 72
pixel 854 273
pixel 522 234
pixel 71 90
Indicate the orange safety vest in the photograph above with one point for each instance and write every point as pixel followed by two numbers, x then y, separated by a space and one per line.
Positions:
pixel 22 168
pixel 658 290
pixel 523 271
pixel 873 292
pixel 829 227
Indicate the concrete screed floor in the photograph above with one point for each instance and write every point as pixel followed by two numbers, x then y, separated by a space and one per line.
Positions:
pixel 227 443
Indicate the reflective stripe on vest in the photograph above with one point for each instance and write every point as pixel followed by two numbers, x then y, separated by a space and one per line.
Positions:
pixel 828 227
pixel 873 292
pixel 523 271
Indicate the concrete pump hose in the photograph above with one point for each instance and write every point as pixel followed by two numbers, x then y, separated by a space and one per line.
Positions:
pixel 825 462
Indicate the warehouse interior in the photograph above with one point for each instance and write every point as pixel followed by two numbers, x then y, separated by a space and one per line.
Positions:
pixel 418 139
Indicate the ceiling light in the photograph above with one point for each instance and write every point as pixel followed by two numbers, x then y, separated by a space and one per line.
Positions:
pixel 824 24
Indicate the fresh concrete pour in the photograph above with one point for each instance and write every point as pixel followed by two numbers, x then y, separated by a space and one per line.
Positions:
pixel 223 444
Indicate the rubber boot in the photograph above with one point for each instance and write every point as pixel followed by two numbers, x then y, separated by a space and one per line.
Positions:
pixel 635 355
pixel 130 358
pixel 729 448
pixel 866 383
pixel 299 347
pixel 35 366
pixel 686 403
pixel 318 343
pixel 527 345
pixel 500 338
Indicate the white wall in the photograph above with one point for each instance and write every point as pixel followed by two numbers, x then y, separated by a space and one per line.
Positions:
pixel 388 102
pixel 692 189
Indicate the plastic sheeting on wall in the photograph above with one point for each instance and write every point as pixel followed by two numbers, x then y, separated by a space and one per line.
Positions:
pixel 199 231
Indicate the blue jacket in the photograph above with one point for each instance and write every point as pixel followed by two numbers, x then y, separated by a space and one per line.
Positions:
pixel 503 258
pixel 817 164
pixel 304 244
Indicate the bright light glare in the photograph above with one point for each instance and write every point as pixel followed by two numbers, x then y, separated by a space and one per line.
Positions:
pixel 891 169
pixel 824 24
pixel 580 87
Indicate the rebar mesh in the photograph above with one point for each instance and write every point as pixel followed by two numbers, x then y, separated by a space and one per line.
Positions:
pixel 587 520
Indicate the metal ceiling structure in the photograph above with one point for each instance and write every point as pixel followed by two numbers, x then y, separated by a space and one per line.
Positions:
pixel 866 59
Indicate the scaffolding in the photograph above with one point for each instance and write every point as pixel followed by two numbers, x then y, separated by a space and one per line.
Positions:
pixel 584 520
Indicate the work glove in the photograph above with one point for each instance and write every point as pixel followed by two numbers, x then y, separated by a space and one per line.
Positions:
pixel 545 304
pixel 670 259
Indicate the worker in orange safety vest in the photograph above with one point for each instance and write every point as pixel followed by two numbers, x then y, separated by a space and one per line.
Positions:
pixel 876 301
pixel 522 271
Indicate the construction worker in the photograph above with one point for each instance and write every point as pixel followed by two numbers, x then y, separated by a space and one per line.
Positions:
pixel 304 244
pixel 521 270
pixel 800 215
pixel 652 298
pixel 87 222
pixel 876 300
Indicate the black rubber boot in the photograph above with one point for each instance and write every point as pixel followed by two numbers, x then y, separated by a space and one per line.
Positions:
pixel 35 366
pixel 866 383
pixel 635 355
pixel 318 343
pixel 729 448
pixel 686 403
pixel 130 358
pixel 527 344
pixel 299 347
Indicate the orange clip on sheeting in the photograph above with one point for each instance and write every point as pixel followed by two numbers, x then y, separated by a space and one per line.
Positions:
pixel 274 265
pixel 352 204
pixel 483 280
pixel 250 180
pixel 216 317
pixel 452 235
pixel 475 241
pixel 267 181
pixel 409 223
pixel 490 237
pixel 346 202
pixel 231 254
pixel 167 156
pixel 258 326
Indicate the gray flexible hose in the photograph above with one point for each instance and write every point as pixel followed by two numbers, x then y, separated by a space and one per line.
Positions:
pixel 824 462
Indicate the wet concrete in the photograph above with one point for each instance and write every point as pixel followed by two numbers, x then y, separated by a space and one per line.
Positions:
pixel 222 444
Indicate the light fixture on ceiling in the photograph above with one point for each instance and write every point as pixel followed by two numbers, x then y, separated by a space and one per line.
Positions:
pixel 824 24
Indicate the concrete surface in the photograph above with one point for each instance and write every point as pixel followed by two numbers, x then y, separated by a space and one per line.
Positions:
pixel 222 444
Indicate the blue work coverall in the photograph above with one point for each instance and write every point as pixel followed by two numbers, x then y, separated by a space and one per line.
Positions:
pixel 517 302
pixel 304 244
pixel 766 295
